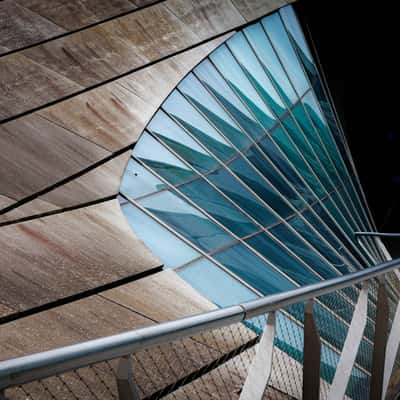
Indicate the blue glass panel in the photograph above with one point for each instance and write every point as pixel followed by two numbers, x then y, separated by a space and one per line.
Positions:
pixel 246 200
pixel 172 251
pixel 261 187
pixel 197 125
pixel 255 72
pixel 186 220
pixel 220 89
pixel 262 47
pixel 230 69
pixel 137 181
pixel 283 260
pixel 257 158
pixel 157 157
pixel 280 40
pixel 201 193
pixel 179 141
pixel 257 273
pixel 209 106
pixel 215 284
pixel 303 251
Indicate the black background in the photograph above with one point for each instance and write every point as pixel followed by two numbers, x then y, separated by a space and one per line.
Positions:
pixel 359 51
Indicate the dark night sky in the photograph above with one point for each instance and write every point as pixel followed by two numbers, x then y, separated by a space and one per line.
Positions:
pixel 360 55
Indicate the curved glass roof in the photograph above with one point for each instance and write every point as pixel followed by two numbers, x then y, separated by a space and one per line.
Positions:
pixel 243 183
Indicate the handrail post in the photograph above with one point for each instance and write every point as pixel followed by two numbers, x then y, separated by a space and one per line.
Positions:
pixel 312 355
pixel 380 339
pixel 350 347
pixel 261 366
pixel 127 389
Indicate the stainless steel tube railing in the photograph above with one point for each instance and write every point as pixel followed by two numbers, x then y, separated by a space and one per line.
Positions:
pixel 41 365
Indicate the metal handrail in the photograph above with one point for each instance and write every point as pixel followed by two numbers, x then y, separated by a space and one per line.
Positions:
pixel 25 369
pixel 379 234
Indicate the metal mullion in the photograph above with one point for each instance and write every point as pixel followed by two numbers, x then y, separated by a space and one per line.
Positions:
pixel 301 132
pixel 240 240
pixel 331 104
pixel 323 116
pixel 289 109
pixel 272 139
pixel 255 143
pixel 258 197
pixel 297 212
pixel 310 88
pixel 190 244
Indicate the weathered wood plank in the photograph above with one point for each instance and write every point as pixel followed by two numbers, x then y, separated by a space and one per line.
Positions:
pixel 75 14
pixel 37 153
pixel 48 259
pixel 21 27
pixel 251 9
pixel 99 183
pixel 207 17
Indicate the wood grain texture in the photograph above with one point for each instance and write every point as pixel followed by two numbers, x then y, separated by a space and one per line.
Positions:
pixel 25 84
pixel 21 27
pixel 83 59
pixel 207 17
pixel 99 183
pixel 37 153
pixel 252 9
pixel 75 14
pixel 50 258
pixel 114 115
pixel 115 47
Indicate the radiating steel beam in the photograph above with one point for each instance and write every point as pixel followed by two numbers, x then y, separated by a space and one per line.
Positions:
pixel 312 355
pixel 261 366
pixel 350 348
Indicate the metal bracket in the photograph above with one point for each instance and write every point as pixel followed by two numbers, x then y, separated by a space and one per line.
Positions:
pixel 260 369
pixel 127 389
pixel 350 347
pixel 312 355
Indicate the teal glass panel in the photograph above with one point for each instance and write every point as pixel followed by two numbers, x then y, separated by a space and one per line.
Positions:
pixel 279 135
pixel 267 56
pixel 215 284
pixel 172 251
pixel 186 220
pixel 207 198
pixel 253 270
pixel 160 160
pixel 245 199
pixel 266 167
pixel 216 84
pixel 280 40
pixel 205 102
pixel 305 149
pixel 299 247
pixel 180 142
pixel 230 69
pixel 197 125
pixel 254 71
pixel 138 181
pixel 282 259
pixel 281 162
pixel 260 186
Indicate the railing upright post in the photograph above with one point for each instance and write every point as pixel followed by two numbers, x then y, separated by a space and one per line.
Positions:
pixel 127 389
pixel 312 355
pixel 261 366
pixel 380 339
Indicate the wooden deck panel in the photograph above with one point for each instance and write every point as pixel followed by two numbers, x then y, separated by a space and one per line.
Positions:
pixel 37 153
pixel 47 259
pixel 99 183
